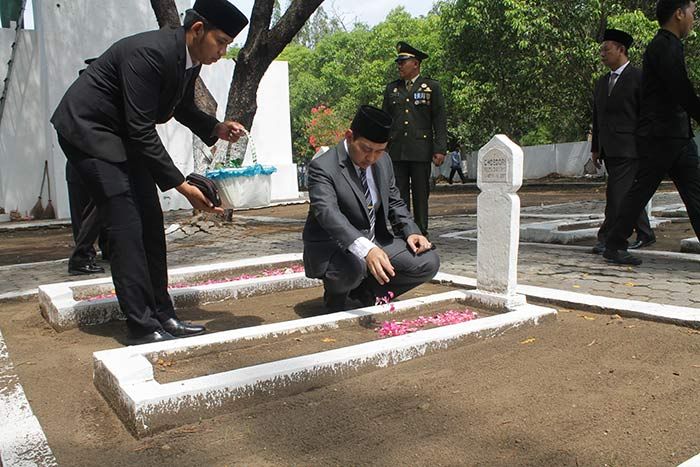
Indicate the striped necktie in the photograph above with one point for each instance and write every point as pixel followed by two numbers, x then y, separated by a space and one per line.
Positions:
pixel 370 204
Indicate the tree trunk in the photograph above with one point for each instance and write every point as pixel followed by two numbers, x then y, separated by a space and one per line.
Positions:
pixel 168 16
pixel 262 46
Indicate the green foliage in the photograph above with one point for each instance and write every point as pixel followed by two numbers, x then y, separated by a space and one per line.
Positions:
pixel 525 68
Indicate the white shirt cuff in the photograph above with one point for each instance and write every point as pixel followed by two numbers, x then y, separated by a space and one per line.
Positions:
pixel 361 247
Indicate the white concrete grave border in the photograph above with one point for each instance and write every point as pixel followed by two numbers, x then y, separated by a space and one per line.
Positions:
pixel 679 315
pixel 22 441
pixel 125 376
pixel 62 307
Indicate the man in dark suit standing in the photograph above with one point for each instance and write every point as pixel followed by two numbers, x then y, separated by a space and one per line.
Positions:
pixel 615 113
pixel 419 132
pixel 106 125
pixel 353 196
pixel 664 134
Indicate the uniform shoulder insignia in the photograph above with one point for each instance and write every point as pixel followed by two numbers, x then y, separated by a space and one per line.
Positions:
pixel 424 85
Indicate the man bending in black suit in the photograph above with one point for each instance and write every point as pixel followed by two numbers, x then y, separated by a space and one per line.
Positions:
pixel 106 125
pixel 664 135
pixel 346 240
pixel 615 113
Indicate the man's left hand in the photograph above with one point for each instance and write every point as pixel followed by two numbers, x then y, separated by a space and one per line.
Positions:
pixel 229 131
pixel 418 244
pixel 438 159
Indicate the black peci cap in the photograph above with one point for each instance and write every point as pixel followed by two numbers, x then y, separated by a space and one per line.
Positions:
pixel 222 15
pixel 371 123
pixel 618 36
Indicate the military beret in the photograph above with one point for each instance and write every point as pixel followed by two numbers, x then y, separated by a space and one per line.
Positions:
pixel 222 15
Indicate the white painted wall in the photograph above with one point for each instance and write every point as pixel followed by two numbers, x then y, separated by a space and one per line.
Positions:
pixel 567 159
pixel 48 59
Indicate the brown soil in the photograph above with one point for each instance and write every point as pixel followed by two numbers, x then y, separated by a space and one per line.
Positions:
pixel 583 389
pixel 28 246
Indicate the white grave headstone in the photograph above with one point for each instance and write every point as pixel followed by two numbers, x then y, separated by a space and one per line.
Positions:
pixel 499 177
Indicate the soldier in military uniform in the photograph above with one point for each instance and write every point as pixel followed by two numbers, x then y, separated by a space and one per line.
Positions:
pixel 419 133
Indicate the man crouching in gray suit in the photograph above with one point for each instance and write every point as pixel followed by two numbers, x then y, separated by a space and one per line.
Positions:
pixel 346 240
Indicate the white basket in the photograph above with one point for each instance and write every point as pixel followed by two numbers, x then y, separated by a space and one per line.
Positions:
pixel 244 187
pixel 245 191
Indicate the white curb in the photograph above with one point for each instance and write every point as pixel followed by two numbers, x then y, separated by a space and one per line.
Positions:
pixel 22 441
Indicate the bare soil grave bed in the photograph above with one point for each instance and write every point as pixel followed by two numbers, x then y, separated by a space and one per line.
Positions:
pixel 584 389
pixel 239 354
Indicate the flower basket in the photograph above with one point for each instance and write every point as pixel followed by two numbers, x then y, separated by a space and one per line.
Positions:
pixel 243 187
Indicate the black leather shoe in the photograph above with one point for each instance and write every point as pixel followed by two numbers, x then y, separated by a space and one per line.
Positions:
pixel 335 302
pixel 598 249
pixel 621 257
pixel 155 336
pixel 84 268
pixel 639 243
pixel 363 295
pixel 182 329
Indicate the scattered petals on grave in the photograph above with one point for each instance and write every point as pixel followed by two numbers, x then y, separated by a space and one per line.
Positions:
pixel 386 301
pixel 327 340
pixel 398 328
pixel 587 318
pixel 529 340
pixel 183 285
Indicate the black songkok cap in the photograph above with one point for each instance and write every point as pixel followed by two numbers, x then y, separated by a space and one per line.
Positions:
pixel 405 52
pixel 618 36
pixel 222 15
pixel 371 123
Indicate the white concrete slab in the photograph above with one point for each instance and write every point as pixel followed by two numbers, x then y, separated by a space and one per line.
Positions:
pixel 64 305
pixel 22 440
pixel 693 462
pixel 126 380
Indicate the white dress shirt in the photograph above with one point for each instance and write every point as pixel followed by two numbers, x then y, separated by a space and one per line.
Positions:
pixel 362 245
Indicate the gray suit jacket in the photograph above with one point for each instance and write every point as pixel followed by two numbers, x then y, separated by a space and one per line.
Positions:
pixel 338 214
pixel 615 116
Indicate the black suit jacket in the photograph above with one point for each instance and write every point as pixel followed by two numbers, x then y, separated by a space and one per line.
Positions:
pixel 615 116
pixel 668 98
pixel 338 213
pixel 110 112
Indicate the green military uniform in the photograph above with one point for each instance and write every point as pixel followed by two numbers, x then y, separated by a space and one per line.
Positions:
pixel 419 131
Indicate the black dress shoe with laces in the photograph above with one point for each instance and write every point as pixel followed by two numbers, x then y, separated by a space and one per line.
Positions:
pixel 89 267
pixel 155 336
pixel 621 257
pixel 182 329
pixel 641 243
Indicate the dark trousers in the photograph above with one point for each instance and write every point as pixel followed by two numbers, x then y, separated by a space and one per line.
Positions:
pixel 85 221
pixel 346 272
pixel 457 170
pixel 413 182
pixel 128 205
pixel 621 175
pixel 678 159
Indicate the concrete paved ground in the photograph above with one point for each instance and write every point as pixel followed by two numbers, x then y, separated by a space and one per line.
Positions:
pixel 663 278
